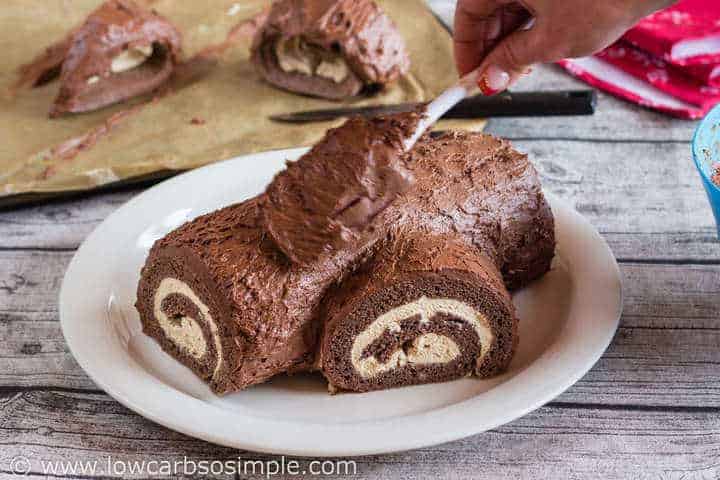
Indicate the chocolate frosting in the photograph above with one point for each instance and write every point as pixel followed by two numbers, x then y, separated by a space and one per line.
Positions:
pixel 481 188
pixel 473 188
pixel 323 201
pixel 357 29
pixel 88 51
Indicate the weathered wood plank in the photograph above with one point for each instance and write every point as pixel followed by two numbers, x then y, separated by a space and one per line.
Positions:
pixel 666 367
pixel 34 353
pixel 560 442
pixel 696 247
pixel 646 196
pixel 557 441
pixel 671 297
pixel 614 120
pixel 30 281
pixel 47 426
pixel 665 354
pixel 32 349
pixel 638 188
pixel 60 224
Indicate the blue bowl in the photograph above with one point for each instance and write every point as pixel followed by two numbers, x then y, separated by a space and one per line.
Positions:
pixel 706 152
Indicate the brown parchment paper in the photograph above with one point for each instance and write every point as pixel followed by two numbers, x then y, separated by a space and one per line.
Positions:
pixel 219 114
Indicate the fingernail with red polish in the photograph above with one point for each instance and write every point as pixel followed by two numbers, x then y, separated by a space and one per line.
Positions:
pixel 494 80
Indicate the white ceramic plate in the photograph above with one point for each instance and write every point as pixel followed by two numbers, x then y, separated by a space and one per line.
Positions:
pixel 567 320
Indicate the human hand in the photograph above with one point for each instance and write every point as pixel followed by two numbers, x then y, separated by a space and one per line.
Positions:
pixel 506 37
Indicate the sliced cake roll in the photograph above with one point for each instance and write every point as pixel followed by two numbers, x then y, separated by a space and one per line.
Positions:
pixel 329 48
pixel 219 297
pixel 119 52
pixel 425 309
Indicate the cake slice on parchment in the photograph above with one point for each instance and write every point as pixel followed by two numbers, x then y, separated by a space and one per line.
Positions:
pixel 121 51
pixel 332 49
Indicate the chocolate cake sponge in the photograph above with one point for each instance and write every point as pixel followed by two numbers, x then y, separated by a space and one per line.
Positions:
pixel 426 309
pixel 121 51
pixel 421 295
pixel 332 49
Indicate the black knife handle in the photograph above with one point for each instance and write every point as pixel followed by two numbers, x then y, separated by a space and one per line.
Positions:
pixel 527 104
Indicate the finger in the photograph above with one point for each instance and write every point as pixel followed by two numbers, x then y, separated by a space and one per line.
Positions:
pixel 511 58
pixel 474 31
pixel 480 25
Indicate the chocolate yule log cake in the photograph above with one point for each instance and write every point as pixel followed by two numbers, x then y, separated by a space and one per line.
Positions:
pixel 121 51
pixel 332 49
pixel 420 295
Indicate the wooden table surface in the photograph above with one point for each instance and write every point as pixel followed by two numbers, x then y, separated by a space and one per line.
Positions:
pixel 650 408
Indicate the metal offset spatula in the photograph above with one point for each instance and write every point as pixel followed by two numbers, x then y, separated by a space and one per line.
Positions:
pixel 465 87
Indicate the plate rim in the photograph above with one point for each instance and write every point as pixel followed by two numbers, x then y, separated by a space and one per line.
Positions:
pixel 292 443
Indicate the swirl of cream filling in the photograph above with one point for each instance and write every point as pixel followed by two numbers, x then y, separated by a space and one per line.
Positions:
pixel 428 348
pixel 185 332
pixel 127 60
pixel 295 55
pixel 131 58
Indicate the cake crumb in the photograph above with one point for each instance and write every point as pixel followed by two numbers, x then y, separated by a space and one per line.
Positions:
pixel 716 174
pixel 197 121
